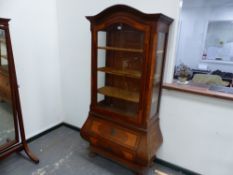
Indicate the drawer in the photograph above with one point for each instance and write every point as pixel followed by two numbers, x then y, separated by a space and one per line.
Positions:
pixel 113 149
pixel 115 134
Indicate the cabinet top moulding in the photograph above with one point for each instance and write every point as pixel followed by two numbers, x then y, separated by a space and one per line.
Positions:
pixel 125 9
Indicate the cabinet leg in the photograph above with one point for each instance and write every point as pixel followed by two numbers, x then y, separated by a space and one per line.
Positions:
pixel 30 154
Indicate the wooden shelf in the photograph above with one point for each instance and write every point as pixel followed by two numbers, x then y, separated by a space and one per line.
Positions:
pixel 126 73
pixel 121 49
pixel 127 111
pixel 119 93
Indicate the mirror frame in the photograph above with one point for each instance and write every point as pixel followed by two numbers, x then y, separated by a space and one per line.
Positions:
pixel 13 99
pixel 20 142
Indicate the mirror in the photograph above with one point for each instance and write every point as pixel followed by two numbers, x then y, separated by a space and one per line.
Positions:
pixel 219 41
pixel 12 134
pixel 7 127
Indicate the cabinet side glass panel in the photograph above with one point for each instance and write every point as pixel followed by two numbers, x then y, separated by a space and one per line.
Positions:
pixel 158 73
pixel 119 69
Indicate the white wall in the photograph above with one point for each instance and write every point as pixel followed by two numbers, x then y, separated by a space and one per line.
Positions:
pixel 197 132
pixel 194 22
pixel 35 45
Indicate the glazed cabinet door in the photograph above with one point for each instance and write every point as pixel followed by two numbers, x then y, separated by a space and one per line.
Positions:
pixel 119 64
pixel 158 72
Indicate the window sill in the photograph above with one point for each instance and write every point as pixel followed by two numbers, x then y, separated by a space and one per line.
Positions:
pixel 193 89
pixel 217 62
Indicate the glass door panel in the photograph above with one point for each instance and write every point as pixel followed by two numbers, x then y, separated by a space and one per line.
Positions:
pixel 119 69
pixel 158 73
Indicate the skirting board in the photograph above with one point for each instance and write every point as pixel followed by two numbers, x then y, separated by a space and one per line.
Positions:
pixel 157 160
pixel 175 167
pixel 44 132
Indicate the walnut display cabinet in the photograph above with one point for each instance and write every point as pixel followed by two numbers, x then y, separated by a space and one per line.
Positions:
pixel 128 56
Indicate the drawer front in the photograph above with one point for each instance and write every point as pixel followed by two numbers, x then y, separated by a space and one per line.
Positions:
pixel 115 134
pixel 113 149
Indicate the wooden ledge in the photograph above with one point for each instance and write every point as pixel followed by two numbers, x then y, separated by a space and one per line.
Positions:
pixel 193 89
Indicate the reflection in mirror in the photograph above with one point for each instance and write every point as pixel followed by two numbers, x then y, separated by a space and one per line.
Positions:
pixel 205 42
pixel 219 41
pixel 7 129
